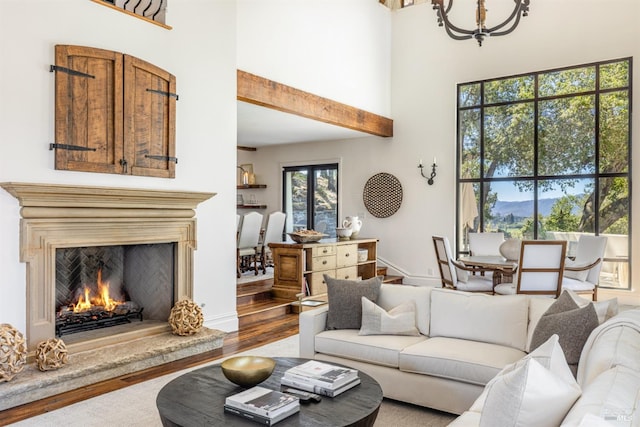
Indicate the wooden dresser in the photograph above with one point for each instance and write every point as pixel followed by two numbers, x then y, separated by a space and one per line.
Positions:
pixel 299 267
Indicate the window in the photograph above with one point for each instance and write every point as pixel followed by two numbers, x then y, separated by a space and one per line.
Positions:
pixel 546 155
pixel 310 197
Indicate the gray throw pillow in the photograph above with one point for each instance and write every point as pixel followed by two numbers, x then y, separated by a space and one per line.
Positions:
pixel 572 324
pixel 345 300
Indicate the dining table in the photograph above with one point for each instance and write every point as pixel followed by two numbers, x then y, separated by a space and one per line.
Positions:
pixel 503 268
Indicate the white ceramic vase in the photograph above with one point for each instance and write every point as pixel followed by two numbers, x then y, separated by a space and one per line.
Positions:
pixel 354 223
pixel 510 249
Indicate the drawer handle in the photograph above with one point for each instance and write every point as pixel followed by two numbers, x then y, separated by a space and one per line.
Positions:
pixel 346 277
pixel 346 254
pixel 324 262
pixel 324 251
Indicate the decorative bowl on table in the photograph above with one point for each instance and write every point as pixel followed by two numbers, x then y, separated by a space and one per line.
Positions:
pixel 247 371
pixel 344 233
pixel 306 236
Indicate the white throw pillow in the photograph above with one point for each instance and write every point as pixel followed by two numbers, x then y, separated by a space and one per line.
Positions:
pixel 542 379
pixel 400 320
pixel 578 275
pixel 604 309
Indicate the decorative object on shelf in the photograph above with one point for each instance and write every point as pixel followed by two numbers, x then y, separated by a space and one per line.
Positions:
pixel 51 354
pixel 510 249
pixel 239 199
pixel 244 174
pixel 306 236
pixel 354 223
pixel 382 195
pixel 363 255
pixel 433 171
pixel 344 233
pixel 186 318
pixel 248 371
pixel 481 31
pixel 13 352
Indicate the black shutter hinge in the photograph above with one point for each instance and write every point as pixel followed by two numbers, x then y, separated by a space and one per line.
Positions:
pixel 165 158
pixel 70 71
pixel 70 147
pixel 160 92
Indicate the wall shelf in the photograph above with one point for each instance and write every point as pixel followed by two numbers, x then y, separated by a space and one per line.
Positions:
pixel 242 187
pixel 251 206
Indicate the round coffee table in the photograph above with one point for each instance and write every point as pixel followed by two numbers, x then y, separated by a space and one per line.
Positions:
pixel 197 399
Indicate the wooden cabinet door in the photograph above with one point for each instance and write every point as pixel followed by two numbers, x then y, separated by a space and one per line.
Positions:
pixel 149 119
pixel 88 124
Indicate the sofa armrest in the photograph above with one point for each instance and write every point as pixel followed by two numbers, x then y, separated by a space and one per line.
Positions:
pixel 312 322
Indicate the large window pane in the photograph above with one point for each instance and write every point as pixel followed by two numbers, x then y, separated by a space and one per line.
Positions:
pixel 573 80
pixel 614 75
pixel 508 207
pixel 325 204
pixel 470 143
pixel 567 136
pixel 508 140
pixel 295 200
pixel 614 132
pixel 563 205
pixel 509 90
pixel 469 95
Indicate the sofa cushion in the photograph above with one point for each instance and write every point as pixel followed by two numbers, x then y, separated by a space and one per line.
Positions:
pixel 572 324
pixel 376 349
pixel 604 309
pixel 516 395
pixel 480 317
pixel 345 306
pixel 461 360
pixel 400 320
pixel 538 305
pixel 393 295
pixel 613 393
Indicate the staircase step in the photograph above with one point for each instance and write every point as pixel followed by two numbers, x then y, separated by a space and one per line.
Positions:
pixel 381 271
pixel 261 311
pixel 395 280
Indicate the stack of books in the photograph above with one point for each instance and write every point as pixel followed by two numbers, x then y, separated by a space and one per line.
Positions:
pixel 321 378
pixel 262 405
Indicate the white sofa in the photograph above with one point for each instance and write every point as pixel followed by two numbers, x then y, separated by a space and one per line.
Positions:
pixel 465 340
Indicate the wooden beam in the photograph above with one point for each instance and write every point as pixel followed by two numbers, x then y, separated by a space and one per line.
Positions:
pixel 267 93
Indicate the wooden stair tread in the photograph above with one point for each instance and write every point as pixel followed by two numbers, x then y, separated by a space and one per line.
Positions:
pixel 261 306
pixel 392 279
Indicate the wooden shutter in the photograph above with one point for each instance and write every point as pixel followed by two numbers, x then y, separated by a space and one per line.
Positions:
pixel 149 119
pixel 88 109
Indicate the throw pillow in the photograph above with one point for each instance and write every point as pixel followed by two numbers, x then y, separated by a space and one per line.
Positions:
pixel 400 320
pixel 344 298
pixel 578 275
pixel 528 394
pixel 572 325
pixel 604 309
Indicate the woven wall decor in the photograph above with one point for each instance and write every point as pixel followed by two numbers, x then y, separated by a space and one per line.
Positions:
pixel 13 352
pixel 186 318
pixel 51 354
pixel 382 195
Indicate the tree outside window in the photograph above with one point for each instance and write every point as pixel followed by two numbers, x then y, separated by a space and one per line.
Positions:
pixel 547 155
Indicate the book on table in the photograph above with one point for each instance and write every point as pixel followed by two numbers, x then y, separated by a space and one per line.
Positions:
pixel 324 375
pixel 292 382
pixel 263 404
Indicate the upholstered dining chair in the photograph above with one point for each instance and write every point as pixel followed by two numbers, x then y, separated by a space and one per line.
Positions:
pixel 273 233
pixel 248 237
pixel 582 274
pixel 481 244
pixel 540 269
pixel 455 275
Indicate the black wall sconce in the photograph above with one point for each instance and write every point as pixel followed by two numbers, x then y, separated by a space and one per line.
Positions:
pixel 433 171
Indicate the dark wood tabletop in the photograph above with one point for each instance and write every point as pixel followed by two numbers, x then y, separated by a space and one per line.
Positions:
pixel 197 399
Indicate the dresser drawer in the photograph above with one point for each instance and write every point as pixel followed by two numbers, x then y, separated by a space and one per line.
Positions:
pixel 346 255
pixel 347 273
pixel 319 263
pixel 323 250
pixel 317 285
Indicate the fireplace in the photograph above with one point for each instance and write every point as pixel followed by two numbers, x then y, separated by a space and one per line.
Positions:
pixel 141 241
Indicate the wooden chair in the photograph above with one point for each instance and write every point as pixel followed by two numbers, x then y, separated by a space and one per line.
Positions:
pixel 273 233
pixel 540 269
pixel 455 275
pixel 582 274
pixel 247 246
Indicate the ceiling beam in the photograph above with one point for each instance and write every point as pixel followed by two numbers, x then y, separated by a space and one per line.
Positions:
pixel 267 93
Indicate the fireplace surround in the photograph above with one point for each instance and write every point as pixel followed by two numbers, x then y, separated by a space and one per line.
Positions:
pixel 65 216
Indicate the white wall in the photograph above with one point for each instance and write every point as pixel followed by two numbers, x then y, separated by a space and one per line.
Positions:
pixel 200 51
pixel 426 66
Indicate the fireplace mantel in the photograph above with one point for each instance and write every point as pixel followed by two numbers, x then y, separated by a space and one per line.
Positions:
pixel 62 216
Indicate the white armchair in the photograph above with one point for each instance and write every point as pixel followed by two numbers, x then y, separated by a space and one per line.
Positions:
pixel 582 274
pixel 481 244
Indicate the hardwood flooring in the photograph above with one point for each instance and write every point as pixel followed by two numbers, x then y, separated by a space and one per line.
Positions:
pixel 245 339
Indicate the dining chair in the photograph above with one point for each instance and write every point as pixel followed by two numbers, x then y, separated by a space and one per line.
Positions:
pixel 482 244
pixel 247 245
pixel 582 274
pixel 273 233
pixel 455 275
pixel 540 269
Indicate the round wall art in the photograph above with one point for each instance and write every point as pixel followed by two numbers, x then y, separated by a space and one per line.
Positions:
pixel 382 195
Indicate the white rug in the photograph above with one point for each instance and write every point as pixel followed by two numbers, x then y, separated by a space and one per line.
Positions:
pixel 136 405
pixel 250 276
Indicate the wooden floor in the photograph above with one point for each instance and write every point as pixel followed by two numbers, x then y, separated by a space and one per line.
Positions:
pixel 247 338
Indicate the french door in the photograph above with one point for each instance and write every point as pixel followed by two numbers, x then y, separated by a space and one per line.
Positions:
pixel 310 197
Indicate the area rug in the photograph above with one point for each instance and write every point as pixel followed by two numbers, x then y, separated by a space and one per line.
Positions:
pixel 135 406
pixel 250 276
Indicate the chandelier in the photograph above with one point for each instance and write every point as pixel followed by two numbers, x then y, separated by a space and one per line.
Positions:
pixel 481 31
